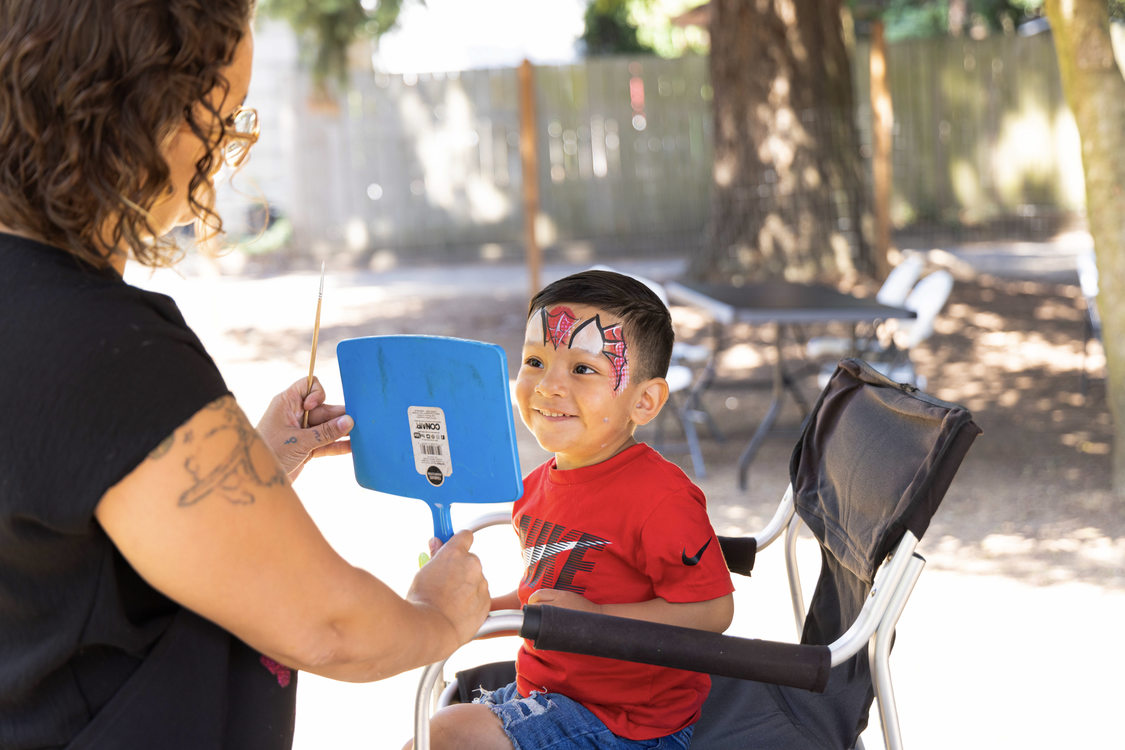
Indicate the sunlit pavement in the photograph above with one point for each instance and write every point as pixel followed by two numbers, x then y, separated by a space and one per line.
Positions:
pixel 981 661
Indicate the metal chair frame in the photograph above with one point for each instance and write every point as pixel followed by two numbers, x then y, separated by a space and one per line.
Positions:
pixel 873 628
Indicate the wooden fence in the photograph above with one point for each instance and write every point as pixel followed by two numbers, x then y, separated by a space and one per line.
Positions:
pixel 430 165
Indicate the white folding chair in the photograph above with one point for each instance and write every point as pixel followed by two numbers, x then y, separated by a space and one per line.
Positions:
pixel 893 293
pixel 896 287
pixel 892 357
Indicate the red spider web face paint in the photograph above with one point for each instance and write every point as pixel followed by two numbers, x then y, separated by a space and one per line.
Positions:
pixel 615 352
pixel 557 324
pixel 609 342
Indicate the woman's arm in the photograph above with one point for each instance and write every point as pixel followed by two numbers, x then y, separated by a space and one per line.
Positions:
pixel 210 519
pixel 714 614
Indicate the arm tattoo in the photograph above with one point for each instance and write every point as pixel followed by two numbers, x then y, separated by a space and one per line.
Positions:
pixel 161 450
pixel 239 472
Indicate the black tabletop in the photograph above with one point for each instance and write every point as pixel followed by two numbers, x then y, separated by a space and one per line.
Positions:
pixel 780 302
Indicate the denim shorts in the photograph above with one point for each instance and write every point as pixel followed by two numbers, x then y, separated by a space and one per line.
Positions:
pixel 550 721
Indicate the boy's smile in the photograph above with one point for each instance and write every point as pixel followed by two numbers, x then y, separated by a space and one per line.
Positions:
pixel 573 387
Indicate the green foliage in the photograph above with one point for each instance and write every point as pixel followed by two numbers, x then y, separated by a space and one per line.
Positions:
pixel 610 29
pixel 655 29
pixel 641 26
pixel 910 19
pixel 327 28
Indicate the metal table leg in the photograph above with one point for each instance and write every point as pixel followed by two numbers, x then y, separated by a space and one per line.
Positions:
pixel 777 393
pixel 782 382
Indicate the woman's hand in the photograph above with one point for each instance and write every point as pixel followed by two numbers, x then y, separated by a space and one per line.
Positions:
pixel 293 445
pixel 453 584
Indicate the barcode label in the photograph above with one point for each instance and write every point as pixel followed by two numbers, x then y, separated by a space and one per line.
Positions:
pixel 432 455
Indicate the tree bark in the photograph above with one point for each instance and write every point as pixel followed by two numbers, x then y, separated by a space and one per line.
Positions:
pixel 1095 91
pixel 788 198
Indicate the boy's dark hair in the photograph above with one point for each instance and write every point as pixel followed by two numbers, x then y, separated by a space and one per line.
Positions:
pixel 645 319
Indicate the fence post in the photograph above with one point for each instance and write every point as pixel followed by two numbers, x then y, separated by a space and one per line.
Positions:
pixel 882 127
pixel 529 161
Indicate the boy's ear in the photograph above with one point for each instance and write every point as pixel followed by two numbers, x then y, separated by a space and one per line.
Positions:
pixel 649 399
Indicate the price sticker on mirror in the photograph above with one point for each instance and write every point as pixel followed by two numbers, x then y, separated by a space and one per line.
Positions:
pixel 431 443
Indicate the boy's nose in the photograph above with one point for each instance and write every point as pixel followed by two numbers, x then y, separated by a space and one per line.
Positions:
pixel 550 384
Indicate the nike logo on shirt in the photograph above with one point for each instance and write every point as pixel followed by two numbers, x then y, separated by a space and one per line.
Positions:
pixel 694 559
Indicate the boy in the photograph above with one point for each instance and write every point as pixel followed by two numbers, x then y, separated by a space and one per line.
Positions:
pixel 606 526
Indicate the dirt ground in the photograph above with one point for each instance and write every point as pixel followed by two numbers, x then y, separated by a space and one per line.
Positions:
pixel 1028 537
pixel 1032 499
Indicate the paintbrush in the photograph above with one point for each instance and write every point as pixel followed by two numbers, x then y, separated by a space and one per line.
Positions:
pixel 316 335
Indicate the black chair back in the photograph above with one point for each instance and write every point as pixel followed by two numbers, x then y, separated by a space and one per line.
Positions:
pixel 874 460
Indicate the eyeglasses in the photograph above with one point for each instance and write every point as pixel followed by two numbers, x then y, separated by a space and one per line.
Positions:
pixel 241 133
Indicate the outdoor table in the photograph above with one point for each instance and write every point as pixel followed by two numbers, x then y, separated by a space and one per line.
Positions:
pixel 780 304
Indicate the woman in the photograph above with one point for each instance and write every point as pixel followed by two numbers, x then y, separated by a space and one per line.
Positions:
pixel 159 579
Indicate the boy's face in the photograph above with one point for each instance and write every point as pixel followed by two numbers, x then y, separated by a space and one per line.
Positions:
pixel 574 387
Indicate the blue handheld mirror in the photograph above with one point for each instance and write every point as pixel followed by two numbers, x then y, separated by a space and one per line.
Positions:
pixel 433 420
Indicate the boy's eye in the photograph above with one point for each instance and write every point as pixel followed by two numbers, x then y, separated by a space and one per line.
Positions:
pixel 533 362
pixel 585 370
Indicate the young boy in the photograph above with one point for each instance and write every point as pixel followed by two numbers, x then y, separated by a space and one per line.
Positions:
pixel 606 526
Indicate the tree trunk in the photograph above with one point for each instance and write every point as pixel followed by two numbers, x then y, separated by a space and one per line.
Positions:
pixel 1095 91
pixel 788 197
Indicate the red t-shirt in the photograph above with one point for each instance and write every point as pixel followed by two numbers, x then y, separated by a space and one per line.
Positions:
pixel 626 530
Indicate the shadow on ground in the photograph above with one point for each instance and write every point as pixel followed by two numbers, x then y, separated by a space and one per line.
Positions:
pixel 1032 499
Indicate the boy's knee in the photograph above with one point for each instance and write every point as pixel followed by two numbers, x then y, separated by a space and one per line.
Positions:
pixel 467 726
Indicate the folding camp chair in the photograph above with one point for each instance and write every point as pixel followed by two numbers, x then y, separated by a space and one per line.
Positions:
pixel 873 463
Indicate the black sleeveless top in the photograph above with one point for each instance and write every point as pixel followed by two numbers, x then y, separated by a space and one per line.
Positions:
pixel 94 374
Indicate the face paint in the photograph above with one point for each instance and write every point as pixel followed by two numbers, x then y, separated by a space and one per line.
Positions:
pixel 536 333
pixel 567 393
pixel 588 337
pixel 560 326
pixel 615 353
pixel 609 342
pixel 557 325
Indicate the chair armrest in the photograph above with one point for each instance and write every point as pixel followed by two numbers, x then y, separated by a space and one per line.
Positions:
pixel 577 632
pixel 502 518
pixel 779 522
pixel 739 552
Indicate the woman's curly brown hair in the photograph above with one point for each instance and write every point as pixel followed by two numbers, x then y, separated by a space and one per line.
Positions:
pixel 89 91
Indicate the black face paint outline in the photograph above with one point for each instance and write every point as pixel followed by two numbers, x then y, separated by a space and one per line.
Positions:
pixel 611 338
pixel 613 348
